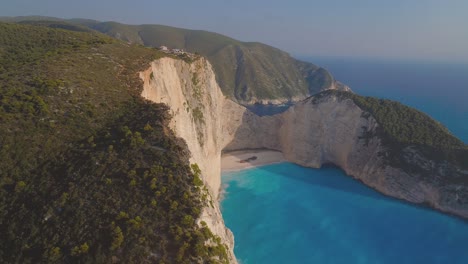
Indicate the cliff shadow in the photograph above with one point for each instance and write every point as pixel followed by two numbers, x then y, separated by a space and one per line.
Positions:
pixel 328 176
pixel 333 178
pixel 254 132
pixel 258 136
pixel 255 143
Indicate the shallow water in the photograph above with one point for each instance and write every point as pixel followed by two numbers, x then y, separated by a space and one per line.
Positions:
pixel 284 213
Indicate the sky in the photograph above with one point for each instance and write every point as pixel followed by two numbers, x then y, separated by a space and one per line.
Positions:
pixel 396 29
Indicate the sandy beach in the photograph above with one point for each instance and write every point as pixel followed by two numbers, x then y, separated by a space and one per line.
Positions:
pixel 231 161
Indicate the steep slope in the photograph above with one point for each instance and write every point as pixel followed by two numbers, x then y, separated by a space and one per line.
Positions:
pixel 195 100
pixel 89 171
pixel 247 72
pixel 428 166
pixel 395 149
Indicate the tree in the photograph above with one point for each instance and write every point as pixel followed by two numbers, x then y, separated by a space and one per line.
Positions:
pixel 117 238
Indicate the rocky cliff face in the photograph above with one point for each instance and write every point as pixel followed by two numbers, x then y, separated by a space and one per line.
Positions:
pixel 195 100
pixel 315 131
pixel 333 130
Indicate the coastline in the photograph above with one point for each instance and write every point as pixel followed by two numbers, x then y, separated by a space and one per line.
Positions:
pixel 230 161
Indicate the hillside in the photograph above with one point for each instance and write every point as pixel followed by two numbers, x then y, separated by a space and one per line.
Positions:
pixel 246 71
pixel 92 173
pixel 390 147
pixel 402 127
pixel 89 171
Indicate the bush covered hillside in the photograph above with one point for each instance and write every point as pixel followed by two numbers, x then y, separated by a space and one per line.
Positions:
pixel 401 126
pixel 246 71
pixel 89 172
pixel 407 125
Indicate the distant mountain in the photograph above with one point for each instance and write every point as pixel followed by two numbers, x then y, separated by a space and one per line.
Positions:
pixel 247 72
pixel 90 172
pixel 31 18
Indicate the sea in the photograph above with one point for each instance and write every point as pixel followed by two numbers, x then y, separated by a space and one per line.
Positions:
pixel 284 213
pixel 439 89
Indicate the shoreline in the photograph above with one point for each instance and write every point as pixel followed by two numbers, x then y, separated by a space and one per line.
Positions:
pixel 230 161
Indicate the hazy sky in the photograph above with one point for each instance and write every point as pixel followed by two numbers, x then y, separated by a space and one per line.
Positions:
pixel 412 29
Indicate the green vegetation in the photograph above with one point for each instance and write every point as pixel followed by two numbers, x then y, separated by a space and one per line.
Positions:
pixel 244 70
pixel 401 126
pixel 407 125
pixel 57 24
pixel 198 115
pixel 322 78
pixel 90 172
pixel 195 79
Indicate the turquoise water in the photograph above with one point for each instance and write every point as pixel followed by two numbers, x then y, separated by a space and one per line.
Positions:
pixel 284 213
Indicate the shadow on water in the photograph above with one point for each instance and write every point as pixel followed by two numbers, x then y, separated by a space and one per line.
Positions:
pixel 315 224
pixel 328 176
pixel 268 109
pixel 336 179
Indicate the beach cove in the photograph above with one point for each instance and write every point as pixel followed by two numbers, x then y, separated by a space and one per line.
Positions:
pixel 239 160
pixel 291 214
pixel 284 213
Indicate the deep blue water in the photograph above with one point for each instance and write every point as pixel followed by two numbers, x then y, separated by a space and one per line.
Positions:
pixel 284 213
pixel 267 109
pixel 438 89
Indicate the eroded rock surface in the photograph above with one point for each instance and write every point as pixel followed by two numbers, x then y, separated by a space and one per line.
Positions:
pixel 313 132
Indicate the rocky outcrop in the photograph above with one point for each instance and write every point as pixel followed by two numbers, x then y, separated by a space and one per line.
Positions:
pixel 195 101
pixel 313 132
pixel 334 130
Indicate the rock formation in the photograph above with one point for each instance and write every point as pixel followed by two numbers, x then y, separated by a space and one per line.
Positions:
pixel 315 131
pixel 196 101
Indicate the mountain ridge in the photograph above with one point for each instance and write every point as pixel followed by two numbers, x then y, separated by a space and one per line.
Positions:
pixel 248 72
pixel 90 172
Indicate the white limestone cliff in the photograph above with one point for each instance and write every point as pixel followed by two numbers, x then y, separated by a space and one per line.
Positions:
pixel 333 130
pixel 313 132
pixel 195 101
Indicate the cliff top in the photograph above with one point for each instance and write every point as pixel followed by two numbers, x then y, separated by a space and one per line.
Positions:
pixel 401 126
pixel 89 171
